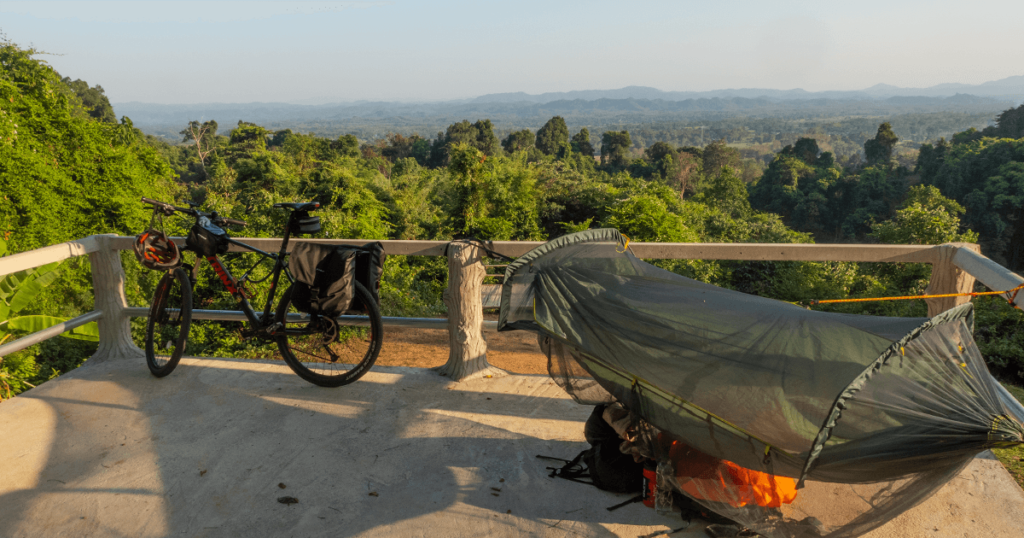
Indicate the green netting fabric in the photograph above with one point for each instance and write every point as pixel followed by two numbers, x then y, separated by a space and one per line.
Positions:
pixel 881 410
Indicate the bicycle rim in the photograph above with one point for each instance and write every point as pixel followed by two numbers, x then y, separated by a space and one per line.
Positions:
pixel 170 317
pixel 326 353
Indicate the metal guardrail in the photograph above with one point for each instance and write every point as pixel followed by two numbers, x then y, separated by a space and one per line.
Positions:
pixel 49 332
pixel 355 321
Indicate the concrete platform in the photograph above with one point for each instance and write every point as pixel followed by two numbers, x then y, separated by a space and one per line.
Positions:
pixel 108 450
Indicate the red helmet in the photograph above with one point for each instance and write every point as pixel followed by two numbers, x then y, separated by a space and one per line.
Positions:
pixel 156 251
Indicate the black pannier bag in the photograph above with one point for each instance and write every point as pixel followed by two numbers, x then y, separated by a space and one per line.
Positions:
pixel 323 278
pixel 369 267
pixel 207 239
pixel 304 223
pixel 363 264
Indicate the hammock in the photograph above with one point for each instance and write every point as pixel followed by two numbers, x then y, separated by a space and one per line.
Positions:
pixel 879 411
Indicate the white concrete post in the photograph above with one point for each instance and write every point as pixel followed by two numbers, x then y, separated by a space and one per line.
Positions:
pixel 109 298
pixel 467 357
pixel 948 278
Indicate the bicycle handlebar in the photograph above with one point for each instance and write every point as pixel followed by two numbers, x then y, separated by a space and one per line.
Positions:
pixel 169 209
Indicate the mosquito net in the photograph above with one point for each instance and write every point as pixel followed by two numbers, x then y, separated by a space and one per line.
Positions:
pixel 790 421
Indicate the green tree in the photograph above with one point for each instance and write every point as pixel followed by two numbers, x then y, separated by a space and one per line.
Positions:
pixel 518 141
pixel 401 147
pixel 346 146
pixel 856 200
pixel 646 213
pixel 615 148
pixel 986 176
pixel 581 143
pixel 727 193
pixel 480 135
pixel 93 100
pixel 204 136
pixel 926 218
pixel 552 136
pixel 878 150
pixel 56 162
pixel 805 149
pixel 718 155
pixel 248 137
pixel 280 137
pixel 493 198
pixel 1010 123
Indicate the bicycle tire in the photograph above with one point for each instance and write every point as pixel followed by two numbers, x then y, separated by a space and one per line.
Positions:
pixel 170 317
pixel 321 356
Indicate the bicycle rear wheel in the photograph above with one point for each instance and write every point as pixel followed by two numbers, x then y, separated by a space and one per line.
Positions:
pixel 170 317
pixel 322 351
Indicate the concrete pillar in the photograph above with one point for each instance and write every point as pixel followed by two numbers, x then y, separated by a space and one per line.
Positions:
pixel 948 278
pixel 468 355
pixel 108 289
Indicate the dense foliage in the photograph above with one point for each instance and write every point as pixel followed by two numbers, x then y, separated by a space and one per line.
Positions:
pixel 59 157
pixel 63 175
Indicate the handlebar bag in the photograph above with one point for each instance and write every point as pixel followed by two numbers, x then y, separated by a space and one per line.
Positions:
pixel 207 239
pixel 323 278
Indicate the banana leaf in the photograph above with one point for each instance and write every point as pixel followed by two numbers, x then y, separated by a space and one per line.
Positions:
pixel 89 332
pixel 28 284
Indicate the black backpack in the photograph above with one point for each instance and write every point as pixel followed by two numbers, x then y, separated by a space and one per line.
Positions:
pixel 602 465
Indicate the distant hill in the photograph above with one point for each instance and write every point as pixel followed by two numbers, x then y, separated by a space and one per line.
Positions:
pixel 634 105
pixel 144 114
pixel 1008 89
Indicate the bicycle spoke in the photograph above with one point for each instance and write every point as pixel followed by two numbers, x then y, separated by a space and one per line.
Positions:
pixel 325 353
pixel 167 326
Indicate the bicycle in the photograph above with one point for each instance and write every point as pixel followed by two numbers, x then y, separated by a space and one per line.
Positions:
pixel 318 348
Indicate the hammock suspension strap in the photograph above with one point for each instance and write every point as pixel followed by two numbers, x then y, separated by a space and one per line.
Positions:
pixel 1012 297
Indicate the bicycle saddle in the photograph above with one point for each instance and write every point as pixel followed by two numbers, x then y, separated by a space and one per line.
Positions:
pixel 298 206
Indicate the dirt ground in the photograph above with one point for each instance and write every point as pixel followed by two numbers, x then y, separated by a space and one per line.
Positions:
pixel 512 351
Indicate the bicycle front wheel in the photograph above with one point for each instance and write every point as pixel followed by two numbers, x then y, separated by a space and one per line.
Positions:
pixel 322 350
pixel 170 317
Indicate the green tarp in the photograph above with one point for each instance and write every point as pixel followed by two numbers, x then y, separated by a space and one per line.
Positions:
pixel 766 384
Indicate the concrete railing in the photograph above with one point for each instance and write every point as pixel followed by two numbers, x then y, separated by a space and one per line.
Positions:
pixel 955 267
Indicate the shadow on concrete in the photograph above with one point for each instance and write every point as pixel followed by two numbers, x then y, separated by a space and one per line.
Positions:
pixel 108 450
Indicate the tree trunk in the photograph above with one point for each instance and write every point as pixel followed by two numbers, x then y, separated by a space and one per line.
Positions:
pixel 468 355
pixel 948 278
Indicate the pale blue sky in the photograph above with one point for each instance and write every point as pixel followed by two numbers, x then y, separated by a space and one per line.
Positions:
pixel 305 51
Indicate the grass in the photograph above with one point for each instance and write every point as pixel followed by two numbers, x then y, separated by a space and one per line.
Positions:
pixel 1013 458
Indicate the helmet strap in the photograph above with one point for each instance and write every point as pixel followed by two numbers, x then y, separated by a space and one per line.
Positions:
pixel 157 218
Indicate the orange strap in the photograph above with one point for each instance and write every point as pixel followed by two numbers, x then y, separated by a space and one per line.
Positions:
pixel 1012 297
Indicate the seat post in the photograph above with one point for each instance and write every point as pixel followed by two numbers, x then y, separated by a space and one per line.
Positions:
pixel 287 234
pixel 280 265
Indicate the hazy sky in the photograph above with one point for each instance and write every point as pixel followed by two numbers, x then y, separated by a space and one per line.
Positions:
pixel 315 52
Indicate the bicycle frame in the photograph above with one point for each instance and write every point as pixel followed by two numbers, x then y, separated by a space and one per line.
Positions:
pixel 264 318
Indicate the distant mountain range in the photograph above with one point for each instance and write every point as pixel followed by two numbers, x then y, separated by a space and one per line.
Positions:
pixel 634 104
pixel 1008 89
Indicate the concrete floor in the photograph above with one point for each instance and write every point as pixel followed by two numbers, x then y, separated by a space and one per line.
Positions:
pixel 108 450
